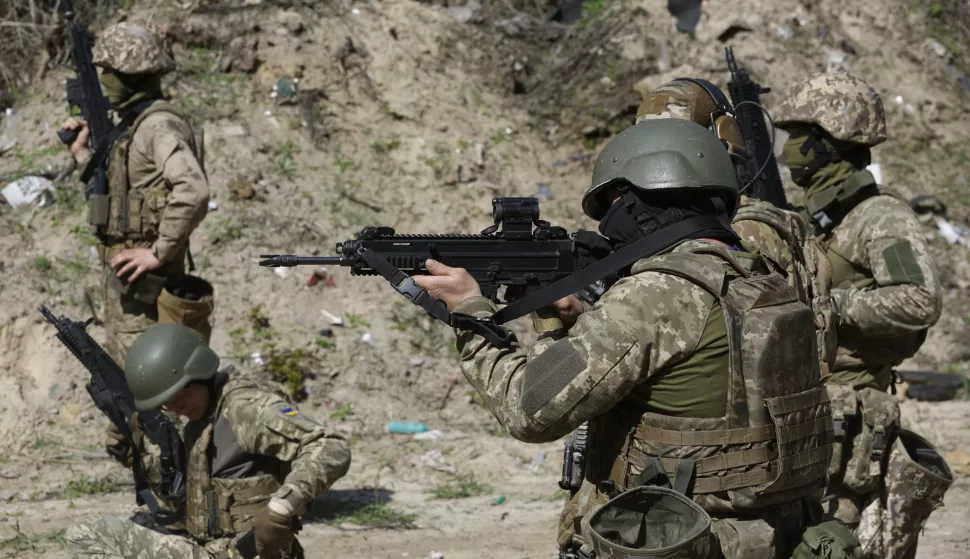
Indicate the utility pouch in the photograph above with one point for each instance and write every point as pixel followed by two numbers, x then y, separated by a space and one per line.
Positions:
pixel 880 421
pixel 828 540
pixel 145 289
pixel 188 301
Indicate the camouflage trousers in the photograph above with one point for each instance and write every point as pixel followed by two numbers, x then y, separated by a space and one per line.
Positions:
pixel 884 480
pixel 103 537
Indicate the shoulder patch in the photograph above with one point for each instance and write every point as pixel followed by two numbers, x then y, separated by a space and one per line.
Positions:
pixel 289 412
pixel 902 265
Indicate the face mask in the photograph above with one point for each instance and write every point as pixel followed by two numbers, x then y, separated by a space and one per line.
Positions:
pixel 619 225
pixel 823 178
pixel 124 91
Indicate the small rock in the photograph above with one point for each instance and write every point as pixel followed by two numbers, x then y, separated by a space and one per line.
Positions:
pixel 417 361
pixel 368 339
pixel 436 555
pixel 936 47
pixel 213 205
pixel 464 14
pixel 235 131
pixel 7 494
pixel 786 33
pixel 242 189
pixel 248 62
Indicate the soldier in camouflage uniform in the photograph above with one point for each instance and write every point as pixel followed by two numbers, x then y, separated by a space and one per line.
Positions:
pixel 158 194
pixel 779 234
pixel 694 368
pixel 253 461
pixel 884 480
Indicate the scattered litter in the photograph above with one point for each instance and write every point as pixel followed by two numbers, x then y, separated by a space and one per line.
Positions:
pixel 436 461
pixel 355 11
pixel 368 339
pixel 785 32
pixel 847 47
pixel 578 156
pixel 464 14
pixel 508 131
pixel 952 233
pixel 326 332
pixel 268 113
pixel 436 555
pixel 823 33
pixel 544 191
pixel 281 272
pixel 432 435
pixel 687 12
pixel 285 88
pixel 406 427
pixel 925 204
pixel 213 205
pixel 7 140
pixel 558 163
pixel 334 319
pixel 899 99
pixel 540 458
pixel 938 48
pixel 317 276
pixel 500 500
pixel 876 170
pixel 537 462
pixel 417 361
pixel 27 190
pixel 835 60
pixel 257 358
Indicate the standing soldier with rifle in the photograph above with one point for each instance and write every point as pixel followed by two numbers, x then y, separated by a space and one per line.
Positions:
pixel 145 183
pixel 884 480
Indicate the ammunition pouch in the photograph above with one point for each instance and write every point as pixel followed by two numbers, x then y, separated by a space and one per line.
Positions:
pixel 871 432
pixel 650 522
pixel 231 504
pixel 188 301
pixel 828 540
pixel 98 210
pixel 916 479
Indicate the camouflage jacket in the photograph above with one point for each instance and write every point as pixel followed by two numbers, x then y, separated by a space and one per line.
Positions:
pixel 158 166
pixel 885 287
pixel 254 443
pixel 643 326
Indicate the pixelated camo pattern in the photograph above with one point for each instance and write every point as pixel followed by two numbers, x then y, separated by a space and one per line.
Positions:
pixel 130 48
pixel 843 105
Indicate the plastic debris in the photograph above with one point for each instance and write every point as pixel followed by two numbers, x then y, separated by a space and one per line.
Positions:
pixel 898 99
pixel 558 163
pixel 257 358
pixel 876 171
pixel 406 427
pixel 213 205
pixel 436 555
pixel 847 47
pixel 285 88
pixel 334 319
pixel 687 12
pixel 355 11
pixel 464 14
pixel 317 276
pixel 27 190
pixel 432 435
pixel 578 156
pixel 544 191
pixel 436 461
pixel 953 234
pixel 785 32
pixel 368 339
pixel 417 361
pixel 500 500
pixel 281 272
pixel 326 332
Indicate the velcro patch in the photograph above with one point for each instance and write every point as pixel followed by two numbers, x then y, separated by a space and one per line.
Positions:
pixel 902 265
pixel 290 412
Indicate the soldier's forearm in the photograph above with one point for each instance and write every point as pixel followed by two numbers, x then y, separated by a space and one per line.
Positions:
pixel 319 464
pixel 887 311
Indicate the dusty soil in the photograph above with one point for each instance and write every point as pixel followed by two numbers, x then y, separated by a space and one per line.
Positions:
pixel 415 115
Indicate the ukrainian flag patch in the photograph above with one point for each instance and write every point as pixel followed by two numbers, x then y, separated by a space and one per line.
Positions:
pixel 290 412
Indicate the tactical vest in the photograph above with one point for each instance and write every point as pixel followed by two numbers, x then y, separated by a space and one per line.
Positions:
pixel 810 272
pixel 774 443
pixel 221 507
pixel 135 214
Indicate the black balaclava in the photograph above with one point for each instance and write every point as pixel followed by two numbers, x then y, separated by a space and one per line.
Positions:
pixel 642 213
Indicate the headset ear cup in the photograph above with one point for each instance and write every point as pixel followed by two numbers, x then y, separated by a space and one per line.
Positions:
pixel 727 130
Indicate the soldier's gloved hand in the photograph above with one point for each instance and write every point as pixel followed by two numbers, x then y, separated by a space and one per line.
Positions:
pixel 276 524
pixel 116 445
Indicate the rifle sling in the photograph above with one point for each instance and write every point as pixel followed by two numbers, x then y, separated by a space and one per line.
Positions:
pixel 101 152
pixel 490 327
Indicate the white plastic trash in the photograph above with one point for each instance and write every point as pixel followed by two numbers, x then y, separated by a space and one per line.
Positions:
pixel 27 190
pixel 876 171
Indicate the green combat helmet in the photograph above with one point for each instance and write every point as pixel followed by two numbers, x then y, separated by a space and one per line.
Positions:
pixel 665 154
pixel 129 48
pixel 841 104
pixel 164 359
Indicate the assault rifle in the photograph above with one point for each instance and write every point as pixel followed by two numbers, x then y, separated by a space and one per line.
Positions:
pixel 759 175
pixel 112 396
pixel 84 92
pixel 517 257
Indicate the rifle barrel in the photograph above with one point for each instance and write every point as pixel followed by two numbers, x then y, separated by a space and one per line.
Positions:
pixel 290 260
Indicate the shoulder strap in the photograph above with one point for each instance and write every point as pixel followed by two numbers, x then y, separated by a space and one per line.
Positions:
pixel 827 209
pixel 690 266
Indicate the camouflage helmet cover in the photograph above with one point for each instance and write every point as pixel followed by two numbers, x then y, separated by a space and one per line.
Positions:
pixel 665 154
pixel 843 105
pixel 164 359
pixel 687 99
pixel 130 48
